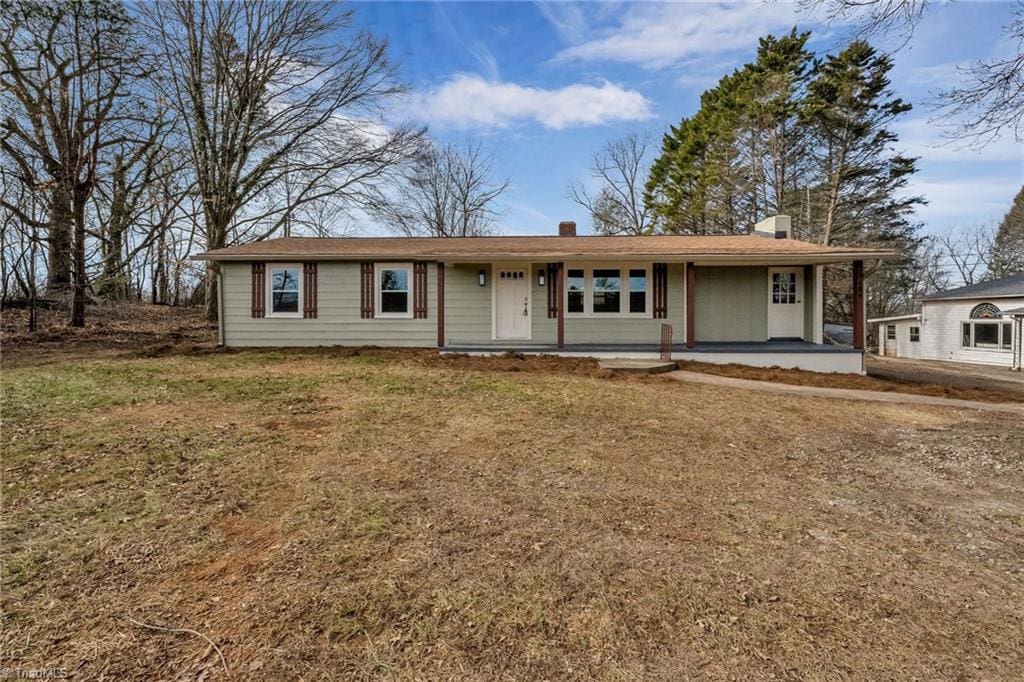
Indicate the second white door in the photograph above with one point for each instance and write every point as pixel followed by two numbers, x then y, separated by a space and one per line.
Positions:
pixel 512 303
pixel 786 303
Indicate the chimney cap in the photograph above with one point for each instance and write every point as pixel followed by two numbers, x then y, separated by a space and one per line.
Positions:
pixel 567 228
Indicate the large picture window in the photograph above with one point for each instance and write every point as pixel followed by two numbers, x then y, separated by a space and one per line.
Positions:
pixel 607 292
pixel 991 334
pixel 285 283
pixel 394 297
pixel 986 330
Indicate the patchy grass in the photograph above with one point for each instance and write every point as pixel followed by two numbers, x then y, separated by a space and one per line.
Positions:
pixel 373 513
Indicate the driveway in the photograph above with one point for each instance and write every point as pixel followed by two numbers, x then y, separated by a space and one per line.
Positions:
pixel 951 373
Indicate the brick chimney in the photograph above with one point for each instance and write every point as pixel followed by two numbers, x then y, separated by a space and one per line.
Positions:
pixel 567 228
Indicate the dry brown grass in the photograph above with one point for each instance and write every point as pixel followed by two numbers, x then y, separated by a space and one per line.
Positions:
pixel 378 514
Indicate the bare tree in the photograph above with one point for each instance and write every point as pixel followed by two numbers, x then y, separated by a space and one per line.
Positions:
pixel 449 191
pixel 968 252
pixel 65 76
pixel 618 207
pixel 274 92
pixel 990 99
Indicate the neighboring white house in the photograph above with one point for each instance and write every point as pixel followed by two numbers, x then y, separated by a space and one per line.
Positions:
pixel 969 324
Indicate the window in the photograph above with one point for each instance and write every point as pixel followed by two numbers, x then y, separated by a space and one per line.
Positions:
pixel 607 292
pixel 638 291
pixel 783 287
pixel 993 334
pixel 576 282
pixel 986 334
pixel 986 311
pixel 607 296
pixel 915 334
pixel 285 290
pixel 890 332
pixel 393 290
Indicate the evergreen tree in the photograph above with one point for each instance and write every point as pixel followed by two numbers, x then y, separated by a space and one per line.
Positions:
pixel 859 184
pixel 1008 246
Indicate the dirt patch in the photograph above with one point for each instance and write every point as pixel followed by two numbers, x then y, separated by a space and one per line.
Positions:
pixel 111 329
pixel 799 377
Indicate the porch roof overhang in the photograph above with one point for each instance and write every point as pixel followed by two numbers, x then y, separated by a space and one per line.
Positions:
pixel 701 250
pixel 895 318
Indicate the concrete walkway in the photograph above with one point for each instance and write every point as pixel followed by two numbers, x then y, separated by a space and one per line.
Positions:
pixel 843 393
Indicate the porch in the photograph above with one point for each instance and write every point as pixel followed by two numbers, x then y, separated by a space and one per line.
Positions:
pixel 805 355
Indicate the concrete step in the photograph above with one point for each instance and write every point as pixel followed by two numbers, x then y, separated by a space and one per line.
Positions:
pixel 638 366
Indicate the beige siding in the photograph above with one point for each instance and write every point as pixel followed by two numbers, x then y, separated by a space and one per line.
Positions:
pixel 338 322
pixel 731 304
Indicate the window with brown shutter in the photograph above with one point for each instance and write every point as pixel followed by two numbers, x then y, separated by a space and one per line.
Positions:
pixel 419 290
pixel 366 290
pixel 660 290
pixel 309 293
pixel 259 290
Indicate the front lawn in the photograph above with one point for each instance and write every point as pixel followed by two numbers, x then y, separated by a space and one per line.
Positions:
pixel 324 514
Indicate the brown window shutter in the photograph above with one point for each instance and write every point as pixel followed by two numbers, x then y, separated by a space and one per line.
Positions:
pixel 660 290
pixel 554 281
pixel 309 293
pixel 366 292
pixel 419 290
pixel 259 289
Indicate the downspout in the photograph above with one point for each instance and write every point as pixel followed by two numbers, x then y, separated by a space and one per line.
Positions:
pixel 220 306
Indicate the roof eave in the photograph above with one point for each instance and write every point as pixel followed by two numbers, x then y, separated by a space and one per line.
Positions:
pixel 697 258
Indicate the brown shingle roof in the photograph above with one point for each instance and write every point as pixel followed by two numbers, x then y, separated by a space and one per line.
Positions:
pixel 748 248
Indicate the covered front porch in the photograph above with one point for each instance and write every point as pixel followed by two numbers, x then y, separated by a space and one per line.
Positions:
pixel 716 311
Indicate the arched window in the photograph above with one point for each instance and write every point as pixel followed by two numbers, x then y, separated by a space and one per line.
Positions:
pixel 986 311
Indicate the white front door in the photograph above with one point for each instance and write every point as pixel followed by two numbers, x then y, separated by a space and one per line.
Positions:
pixel 785 303
pixel 512 303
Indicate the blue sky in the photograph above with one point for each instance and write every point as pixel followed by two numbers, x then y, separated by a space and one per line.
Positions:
pixel 544 85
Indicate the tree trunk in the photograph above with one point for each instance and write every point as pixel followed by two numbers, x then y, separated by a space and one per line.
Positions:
pixel 211 292
pixel 58 274
pixel 79 283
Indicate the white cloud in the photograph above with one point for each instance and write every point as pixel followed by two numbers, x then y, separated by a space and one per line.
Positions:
pixel 656 36
pixel 567 18
pixel 469 101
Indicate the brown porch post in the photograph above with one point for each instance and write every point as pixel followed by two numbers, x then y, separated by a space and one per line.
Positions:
pixel 691 332
pixel 440 304
pixel 858 304
pixel 560 303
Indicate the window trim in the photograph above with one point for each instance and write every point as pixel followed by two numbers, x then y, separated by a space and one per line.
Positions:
pixel 890 332
pixel 378 268
pixel 624 290
pixel 915 337
pixel 270 289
